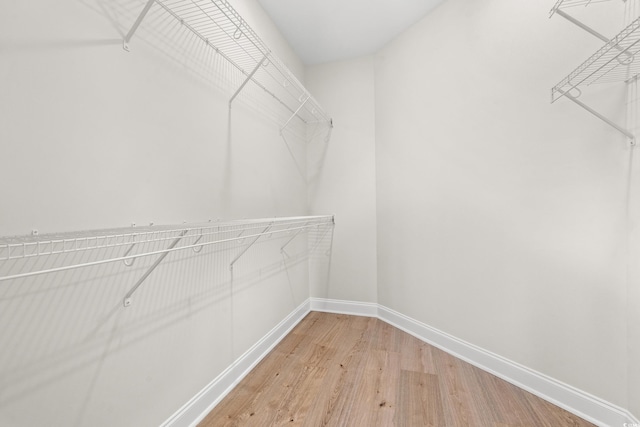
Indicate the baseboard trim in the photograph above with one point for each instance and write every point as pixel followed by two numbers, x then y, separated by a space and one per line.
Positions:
pixel 344 307
pixel 202 403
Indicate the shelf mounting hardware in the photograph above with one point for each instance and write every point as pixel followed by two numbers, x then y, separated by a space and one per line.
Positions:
pixel 129 261
pixel 260 63
pixel 134 27
pixel 127 298
pixel 282 251
pixel 632 138
pixel 246 248
pixel 594 33
pixel 303 99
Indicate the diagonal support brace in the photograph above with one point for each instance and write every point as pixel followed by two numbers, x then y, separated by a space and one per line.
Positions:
pixel 262 233
pixel 132 31
pixel 293 237
pixel 295 113
pixel 127 298
pixel 593 33
pixel 249 77
pixel 632 138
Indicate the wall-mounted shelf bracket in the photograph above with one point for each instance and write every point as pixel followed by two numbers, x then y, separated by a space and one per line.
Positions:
pixel 588 29
pixel 282 251
pixel 303 99
pixel 264 62
pixel 629 135
pixel 127 298
pixel 134 27
pixel 246 248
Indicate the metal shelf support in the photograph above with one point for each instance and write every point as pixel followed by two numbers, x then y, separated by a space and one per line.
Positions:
pixel 246 248
pixel 127 298
pixel 134 27
pixel 629 135
pixel 593 32
pixel 249 77
pixel 295 113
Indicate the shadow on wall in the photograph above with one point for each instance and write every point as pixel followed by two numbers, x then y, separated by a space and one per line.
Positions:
pixel 68 340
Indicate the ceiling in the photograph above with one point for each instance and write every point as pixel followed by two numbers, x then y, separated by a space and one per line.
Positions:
pixel 329 30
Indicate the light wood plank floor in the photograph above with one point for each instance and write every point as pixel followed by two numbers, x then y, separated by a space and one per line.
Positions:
pixel 337 370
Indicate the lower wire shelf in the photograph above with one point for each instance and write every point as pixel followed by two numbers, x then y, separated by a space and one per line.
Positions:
pixel 123 245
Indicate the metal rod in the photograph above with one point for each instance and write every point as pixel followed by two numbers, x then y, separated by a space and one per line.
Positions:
pixel 127 38
pixel 601 117
pixel 127 297
pixel 590 30
pixel 295 113
pixel 106 261
pixel 129 264
pixel 249 77
pixel 249 245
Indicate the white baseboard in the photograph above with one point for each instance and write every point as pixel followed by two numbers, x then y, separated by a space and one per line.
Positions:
pixel 578 402
pixel 202 403
pixel 344 307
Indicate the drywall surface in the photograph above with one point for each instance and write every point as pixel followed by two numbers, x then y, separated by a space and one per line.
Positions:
pixel 633 264
pixel 501 218
pixel 342 176
pixel 94 137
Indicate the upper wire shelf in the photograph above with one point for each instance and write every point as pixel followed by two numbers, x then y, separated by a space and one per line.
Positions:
pixel 222 29
pixel 614 62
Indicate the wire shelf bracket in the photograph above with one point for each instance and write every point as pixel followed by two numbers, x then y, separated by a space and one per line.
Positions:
pixel 282 251
pixel 127 298
pixel 136 24
pixel 249 77
pixel 614 62
pixel 246 248
pixel 614 125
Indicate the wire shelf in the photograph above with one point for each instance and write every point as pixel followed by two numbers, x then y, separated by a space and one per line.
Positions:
pixel 222 29
pixel 194 236
pixel 614 62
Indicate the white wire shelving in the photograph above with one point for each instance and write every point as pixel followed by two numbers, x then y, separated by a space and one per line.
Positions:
pixel 218 25
pixel 127 245
pixel 612 63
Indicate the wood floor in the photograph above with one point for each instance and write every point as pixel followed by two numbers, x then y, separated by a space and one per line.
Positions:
pixel 337 370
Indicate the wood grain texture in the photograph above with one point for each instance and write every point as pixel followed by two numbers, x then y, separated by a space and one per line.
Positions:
pixel 339 370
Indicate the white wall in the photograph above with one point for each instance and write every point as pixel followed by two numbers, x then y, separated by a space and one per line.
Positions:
pixel 342 176
pixel 633 285
pixel 501 218
pixel 94 137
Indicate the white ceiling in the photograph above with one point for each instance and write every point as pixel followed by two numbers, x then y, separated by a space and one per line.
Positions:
pixel 328 30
